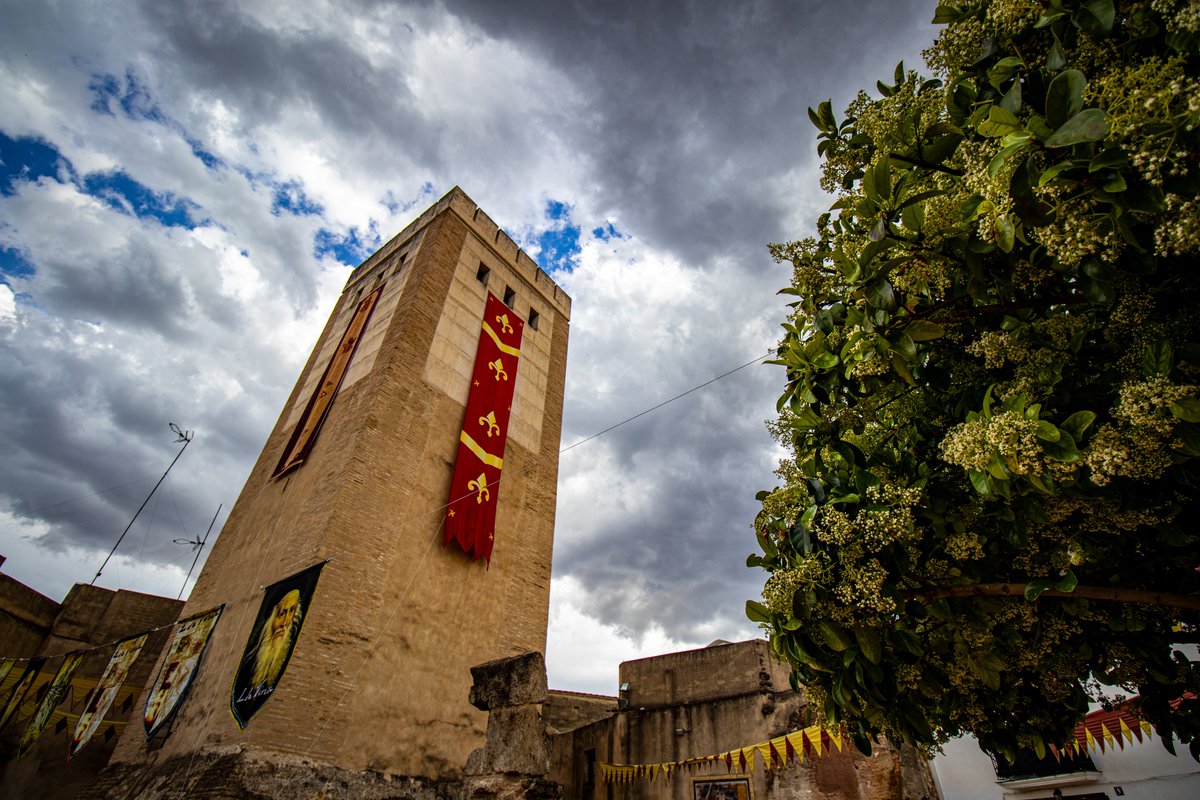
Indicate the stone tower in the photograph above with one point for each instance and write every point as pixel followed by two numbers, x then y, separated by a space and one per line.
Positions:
pixel 379 678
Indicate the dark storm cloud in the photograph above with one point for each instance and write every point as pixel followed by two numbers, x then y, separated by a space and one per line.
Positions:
pixel 695 105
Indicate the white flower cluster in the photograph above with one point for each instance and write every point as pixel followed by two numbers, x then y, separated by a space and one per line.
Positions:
pixel 1008 434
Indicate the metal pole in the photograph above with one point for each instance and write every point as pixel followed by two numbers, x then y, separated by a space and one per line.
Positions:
pixel 186 438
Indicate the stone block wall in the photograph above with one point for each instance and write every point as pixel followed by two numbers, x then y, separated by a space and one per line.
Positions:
pixel 397 620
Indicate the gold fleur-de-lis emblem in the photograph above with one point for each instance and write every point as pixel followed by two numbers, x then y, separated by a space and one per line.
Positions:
pixel 480 488
pixel 489 422
pixel 504 326
pixel 498 366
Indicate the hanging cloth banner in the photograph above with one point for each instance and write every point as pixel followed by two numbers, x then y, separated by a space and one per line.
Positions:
pixel 272 639
pixel 179 668
pixel 16 694
pixel 305 433
pixel 101 698
pixel 54 695
pixel 474 489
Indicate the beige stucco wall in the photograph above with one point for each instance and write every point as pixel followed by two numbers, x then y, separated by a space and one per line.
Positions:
pixel 380 676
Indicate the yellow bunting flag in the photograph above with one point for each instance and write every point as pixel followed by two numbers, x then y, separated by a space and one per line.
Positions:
pixel 814 736
pixel 1125 731
pixel 1108 737
pixel 796 744
pixel 836 738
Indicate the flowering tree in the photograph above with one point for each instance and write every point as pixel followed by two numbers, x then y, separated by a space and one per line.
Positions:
pixel 988 517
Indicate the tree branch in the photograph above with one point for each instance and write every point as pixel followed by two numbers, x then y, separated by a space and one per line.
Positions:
pixel 1143 596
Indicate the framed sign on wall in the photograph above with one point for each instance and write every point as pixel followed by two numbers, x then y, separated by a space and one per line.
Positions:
pixel 721 789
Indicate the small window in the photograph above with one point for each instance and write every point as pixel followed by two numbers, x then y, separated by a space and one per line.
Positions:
pixel 400 263
pixel 482 274
pixel 509 296
pixel 533 319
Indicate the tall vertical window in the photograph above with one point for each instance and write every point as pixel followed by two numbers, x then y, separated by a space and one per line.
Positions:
pixel 482 274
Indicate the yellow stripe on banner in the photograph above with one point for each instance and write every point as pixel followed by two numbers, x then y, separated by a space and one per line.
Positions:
pixel 481 454
pixel 504 348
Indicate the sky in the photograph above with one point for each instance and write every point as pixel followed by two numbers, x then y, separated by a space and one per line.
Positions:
pixel 185 188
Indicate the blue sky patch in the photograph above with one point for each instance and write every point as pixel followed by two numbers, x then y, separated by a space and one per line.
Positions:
pixel 25 160
pixel 124 194
pixel 128 94
pixel 349 248
pixel 558 246
pixel 13 263
pixel 606 232
pixel 290 197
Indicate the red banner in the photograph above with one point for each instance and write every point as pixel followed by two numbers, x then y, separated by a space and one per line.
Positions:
pixel 475 487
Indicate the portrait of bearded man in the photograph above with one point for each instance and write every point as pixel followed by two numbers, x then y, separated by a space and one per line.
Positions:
pixel 271 641
pixel 276 640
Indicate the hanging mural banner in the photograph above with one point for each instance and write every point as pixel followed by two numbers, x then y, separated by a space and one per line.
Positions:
pixel 55 694
pixel 304 436
pixel 179 668
pixel 16 693
pixel 101 698
pixel 474 488
pixel 272 640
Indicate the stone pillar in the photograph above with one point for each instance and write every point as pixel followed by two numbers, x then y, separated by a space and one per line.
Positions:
pixel 514 761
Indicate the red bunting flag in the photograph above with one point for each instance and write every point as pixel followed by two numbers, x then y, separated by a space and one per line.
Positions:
pixel 474 489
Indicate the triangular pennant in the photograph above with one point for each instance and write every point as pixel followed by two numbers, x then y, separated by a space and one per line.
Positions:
pixel 1108 737
pixel 1125 731
pixel 767 754
pixel 814 736
pixel 748 757
pixel 1145 726
pixel 728 758
pixel 797 742
pixel 836 738
pixel 1055 753
pixel 1091 740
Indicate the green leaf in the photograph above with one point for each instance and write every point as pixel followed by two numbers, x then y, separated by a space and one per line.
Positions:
pixel 757 612
pixel 1095 16
pixel 807 419
pixel 1187 409
pixel 1046 431
pixel 1003 71
pixel 834 635
pixel 946 14
pixel 1064 97
pixel 869 643
pixel 1004 156
pixel 922 330
pixel 1078 422
pixel 880 295
pixel 1000 122
pixel 1005 233
pixel 1067 582
pixel 1056 58
pixel 1089 125
pixel 1034 588
pixel 901 343
pixel 1157 359
pixel 1053 171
